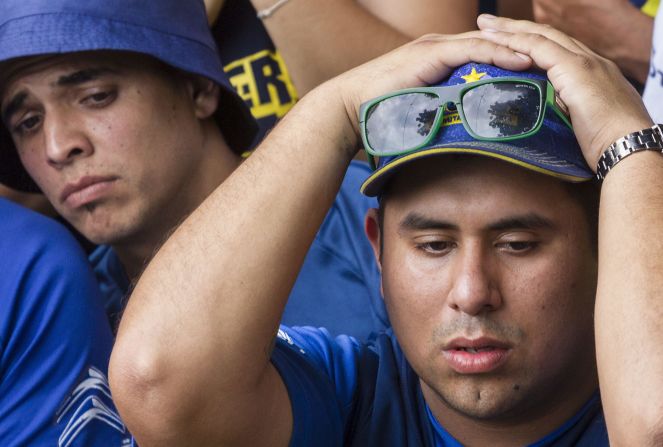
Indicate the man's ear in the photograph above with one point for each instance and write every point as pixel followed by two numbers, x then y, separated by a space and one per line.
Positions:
pixel 205 95
pixel 372 229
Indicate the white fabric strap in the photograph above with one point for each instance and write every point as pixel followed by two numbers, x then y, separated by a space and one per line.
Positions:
pixel 267 12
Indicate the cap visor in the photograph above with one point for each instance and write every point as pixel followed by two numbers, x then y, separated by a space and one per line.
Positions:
pixel 374 184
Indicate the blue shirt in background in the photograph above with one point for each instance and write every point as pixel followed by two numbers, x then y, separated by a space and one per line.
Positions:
pixel 55 341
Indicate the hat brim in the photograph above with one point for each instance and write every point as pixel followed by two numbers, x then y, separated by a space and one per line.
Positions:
pixel 376 182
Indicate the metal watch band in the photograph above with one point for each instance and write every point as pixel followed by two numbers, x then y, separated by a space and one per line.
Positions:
pixel 650 139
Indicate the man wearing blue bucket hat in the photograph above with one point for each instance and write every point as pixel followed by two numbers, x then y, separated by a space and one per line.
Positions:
pixel 506 307
pixel 122 115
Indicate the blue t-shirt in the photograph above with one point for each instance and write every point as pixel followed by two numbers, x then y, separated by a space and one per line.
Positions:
pixel 55 341
pixel 351 394
pixel 338 287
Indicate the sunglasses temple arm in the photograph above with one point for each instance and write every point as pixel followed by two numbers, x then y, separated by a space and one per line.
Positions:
pixel 562 116
pixel 558 107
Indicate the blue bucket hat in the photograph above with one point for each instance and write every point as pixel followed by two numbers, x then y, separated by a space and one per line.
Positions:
pixel 174 31
pixel 553 150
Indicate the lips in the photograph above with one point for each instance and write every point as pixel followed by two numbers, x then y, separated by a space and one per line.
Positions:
pixel 86 190
pixel 475 356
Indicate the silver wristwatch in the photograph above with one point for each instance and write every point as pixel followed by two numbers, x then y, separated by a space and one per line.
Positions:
pixel 650 139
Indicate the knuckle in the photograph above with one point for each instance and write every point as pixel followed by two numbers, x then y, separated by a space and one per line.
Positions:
pixel 475 42
pixel 428 39
pixel 585 62
pixel 432 36
pixel 610 64
pixel 538 39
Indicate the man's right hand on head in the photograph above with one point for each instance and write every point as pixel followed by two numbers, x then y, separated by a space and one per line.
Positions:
pixel 602 104
pixel 421 62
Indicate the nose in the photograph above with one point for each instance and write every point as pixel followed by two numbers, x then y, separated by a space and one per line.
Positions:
pixel 474 290
pixel 65 140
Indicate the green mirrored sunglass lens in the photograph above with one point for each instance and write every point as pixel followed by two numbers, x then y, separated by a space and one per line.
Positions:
pixel 502 109
pixel 401 122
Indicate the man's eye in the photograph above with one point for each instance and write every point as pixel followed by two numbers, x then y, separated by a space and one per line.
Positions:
pixel 436 247
pixel 27 124
pixel 518 246
pixel 100 98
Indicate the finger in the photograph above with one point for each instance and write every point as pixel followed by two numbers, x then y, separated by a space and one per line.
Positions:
pixel 524 26
pixel 448 52
pixel 504 24
pixel 546 53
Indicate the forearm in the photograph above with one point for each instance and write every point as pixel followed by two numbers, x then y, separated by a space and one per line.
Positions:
pixel 613 28
pixel 629 303
pixel 631 42
pixel 222 279
pixel 213 8
pixel 320 39
pixel 515 9
pixel 418 17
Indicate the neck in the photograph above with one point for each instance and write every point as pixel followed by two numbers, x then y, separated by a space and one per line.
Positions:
pixel 526 427
pixel 136 250
pixel 133 260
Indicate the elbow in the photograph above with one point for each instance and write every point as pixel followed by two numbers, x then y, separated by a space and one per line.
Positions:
pixel 644 429
pixel 143 396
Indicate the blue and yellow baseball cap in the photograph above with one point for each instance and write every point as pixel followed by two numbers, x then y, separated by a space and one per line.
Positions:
pixel 553 150
pixel 175 32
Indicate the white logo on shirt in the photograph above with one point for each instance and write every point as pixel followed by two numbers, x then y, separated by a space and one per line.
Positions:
pixel 90 401
pixel 283 335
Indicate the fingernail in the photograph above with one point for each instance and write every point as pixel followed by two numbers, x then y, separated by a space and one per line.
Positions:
pixel 522 56
pixel 487 16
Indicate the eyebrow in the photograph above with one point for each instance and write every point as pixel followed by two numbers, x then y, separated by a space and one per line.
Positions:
pixel 416 221
pixel 530 221
pixel 83 76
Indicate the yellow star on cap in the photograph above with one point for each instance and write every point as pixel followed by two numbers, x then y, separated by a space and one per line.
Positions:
pixel 474 76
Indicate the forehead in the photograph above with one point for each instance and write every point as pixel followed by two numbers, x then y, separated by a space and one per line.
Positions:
pixel 476 186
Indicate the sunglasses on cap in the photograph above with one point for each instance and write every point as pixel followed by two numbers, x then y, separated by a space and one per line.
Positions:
pixel 498 109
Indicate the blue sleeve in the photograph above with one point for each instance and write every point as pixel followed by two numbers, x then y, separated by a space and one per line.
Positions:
pixel 54 340
pixel 113 282
pixel 320 374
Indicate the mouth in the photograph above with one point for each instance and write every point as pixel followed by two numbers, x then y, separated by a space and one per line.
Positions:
pixel 476 356
pixel 86 190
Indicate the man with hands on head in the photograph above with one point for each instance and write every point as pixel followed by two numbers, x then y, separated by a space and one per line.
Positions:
pixel 491 270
